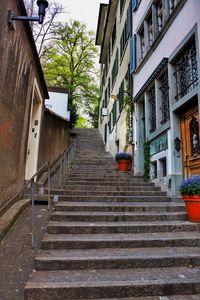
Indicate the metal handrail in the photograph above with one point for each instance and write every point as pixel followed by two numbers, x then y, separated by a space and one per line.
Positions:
pixel 69 153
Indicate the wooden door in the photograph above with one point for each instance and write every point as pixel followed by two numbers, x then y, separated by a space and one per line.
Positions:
pixel 191 142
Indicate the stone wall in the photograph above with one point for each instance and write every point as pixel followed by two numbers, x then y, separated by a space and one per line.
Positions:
pixel 19 68
pixel 54 137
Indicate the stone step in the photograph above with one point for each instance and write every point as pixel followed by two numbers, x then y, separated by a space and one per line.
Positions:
pixel 102 175
pixel 165 297
pixel 58 227
pixel 107 283
pixel 117 216
pixel 93 167
pixel 108 189
pixel 138 199
pixel 118 258
pixel 136 240
pixel 116 182
pixel 117 206
pixel 103 193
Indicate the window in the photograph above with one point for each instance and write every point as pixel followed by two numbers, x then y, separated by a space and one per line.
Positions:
pixel 142 43
pixel 122 2
pixel 114 113
pixel 154 169
pixel 164 89
pixel 186 73
pixel 160 15
pixel 114 35
pixel 163 164
pixel 121 96
pixel 125 33
pixel 105 133
pixel 172 5
pixel 194 137
pixel 109 88
pixel 109 123
pixel 152 110
pixel 157 17
pixel 115 66
pixel 150 30
pixel 106 98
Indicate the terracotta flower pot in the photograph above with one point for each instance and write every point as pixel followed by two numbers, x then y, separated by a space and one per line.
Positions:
pixel 192 204
pixel 123 165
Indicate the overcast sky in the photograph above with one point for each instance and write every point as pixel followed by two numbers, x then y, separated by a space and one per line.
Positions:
pixel 86 11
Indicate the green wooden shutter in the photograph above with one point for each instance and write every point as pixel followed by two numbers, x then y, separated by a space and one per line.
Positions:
pixel 133 54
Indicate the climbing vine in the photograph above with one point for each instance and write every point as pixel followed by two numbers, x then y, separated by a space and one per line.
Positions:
pixel 128 109
pixel 146 151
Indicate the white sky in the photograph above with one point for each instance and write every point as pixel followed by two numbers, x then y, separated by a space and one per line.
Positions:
pixel 86 11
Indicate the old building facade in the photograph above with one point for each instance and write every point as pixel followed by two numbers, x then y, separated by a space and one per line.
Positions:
pixel 166 88
pixel 159 53
pixel 113 35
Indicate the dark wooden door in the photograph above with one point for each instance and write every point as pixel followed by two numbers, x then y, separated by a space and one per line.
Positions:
pixel 191 141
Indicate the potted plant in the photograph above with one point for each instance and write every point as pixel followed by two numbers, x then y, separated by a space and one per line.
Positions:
pixel 124 160
pixel 190 191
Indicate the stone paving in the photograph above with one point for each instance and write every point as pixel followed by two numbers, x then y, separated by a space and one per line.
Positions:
pixel 17 255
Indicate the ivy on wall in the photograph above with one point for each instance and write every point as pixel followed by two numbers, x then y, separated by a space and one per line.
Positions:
pixel 146 152
pixel 128 109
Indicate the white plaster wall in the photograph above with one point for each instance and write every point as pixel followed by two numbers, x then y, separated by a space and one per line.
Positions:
pixel 122 69
pixel 58 103
pixel 181 26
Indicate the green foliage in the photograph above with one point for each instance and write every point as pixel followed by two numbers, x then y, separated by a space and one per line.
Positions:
pixel 69 61
pixel 146 151
pixel 82 122
pixel 190 186
pixel 123 156
pixel 128 108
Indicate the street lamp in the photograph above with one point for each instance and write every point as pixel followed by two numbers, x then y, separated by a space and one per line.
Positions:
pixel 42 5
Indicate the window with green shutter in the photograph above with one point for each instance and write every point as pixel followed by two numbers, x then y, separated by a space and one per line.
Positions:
pixel 109 123
pixel 115 66
pixel 121 96
pixel 106 99
pixel 114 113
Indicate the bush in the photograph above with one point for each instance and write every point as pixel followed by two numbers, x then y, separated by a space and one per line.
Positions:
pixel 190 186
pixel 123 155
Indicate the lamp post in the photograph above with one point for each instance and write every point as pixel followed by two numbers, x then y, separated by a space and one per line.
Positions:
pixel 42 6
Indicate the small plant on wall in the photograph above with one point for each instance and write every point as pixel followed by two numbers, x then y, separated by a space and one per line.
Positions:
pixel 146 152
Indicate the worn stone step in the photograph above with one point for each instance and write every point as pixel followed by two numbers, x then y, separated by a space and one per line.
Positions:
pixel 93 198
pixel 117 216
pixel 118 258
pixel 92 168
pixel 63 227
pixel 115 178
pixel 109 189
pixel 117 206
pixel 136 240
pixel 165 297
pixel 106 193
pixel 105 283
pixel 118 183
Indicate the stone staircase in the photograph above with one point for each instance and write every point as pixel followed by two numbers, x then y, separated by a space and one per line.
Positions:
pixel 114 236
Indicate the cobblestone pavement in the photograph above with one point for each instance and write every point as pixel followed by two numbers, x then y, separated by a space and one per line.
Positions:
pixel 17 255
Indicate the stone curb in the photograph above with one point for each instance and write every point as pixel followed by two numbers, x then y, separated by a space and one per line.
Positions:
pixel 11 215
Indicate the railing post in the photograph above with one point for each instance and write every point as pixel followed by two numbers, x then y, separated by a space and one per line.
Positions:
pixel 33 213
pixel 60 171
pixel 49 186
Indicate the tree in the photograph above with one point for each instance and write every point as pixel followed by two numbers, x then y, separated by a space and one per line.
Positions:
pixel 69 61
pixel 45 32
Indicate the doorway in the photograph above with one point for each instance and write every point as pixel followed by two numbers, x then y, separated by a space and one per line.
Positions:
pixel 191 141
pixel 34 134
